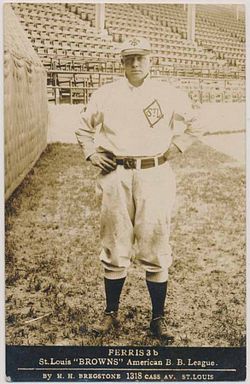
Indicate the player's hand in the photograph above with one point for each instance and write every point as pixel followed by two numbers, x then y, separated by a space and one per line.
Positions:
pixel 173 152
pixel 103 161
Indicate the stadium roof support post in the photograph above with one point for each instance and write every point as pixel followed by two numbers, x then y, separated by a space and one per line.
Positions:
pixel 237 12
pixel 191 22
pixel 100 19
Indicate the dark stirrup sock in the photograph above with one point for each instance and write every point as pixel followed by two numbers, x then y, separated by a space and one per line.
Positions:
pixel 113 289
pixel 158 293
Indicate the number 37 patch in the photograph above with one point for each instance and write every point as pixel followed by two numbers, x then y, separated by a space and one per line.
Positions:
pixel 153 113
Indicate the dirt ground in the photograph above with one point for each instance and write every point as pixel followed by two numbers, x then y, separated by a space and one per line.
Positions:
pixel 233 145
pixel 54 284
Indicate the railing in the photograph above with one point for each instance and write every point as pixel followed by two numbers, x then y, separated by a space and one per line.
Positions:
pixel 79 87
pixel 69 94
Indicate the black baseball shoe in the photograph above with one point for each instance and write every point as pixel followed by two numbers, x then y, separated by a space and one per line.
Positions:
pixel 158 329
pixel 108 322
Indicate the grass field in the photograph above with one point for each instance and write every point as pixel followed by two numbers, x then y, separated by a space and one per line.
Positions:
pixel 54 284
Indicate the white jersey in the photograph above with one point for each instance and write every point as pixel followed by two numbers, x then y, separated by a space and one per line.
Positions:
pixel 136 121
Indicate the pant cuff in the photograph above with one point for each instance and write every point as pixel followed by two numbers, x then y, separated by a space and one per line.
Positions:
pixel 157 277
pixel 114 275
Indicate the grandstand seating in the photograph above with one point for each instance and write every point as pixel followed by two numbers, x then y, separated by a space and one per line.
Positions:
pixel 76 56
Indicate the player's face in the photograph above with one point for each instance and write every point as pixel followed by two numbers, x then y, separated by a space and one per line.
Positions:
pixel 136 68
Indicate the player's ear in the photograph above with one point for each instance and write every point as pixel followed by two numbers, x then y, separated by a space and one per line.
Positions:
pixel 122 61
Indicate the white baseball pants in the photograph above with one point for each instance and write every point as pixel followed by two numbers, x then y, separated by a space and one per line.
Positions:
pixel 136 206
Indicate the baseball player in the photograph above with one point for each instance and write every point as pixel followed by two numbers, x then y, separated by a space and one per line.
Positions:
pixel 128 132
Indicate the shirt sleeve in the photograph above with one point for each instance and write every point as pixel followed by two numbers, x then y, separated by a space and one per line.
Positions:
pixel 187 125
pixel 89 121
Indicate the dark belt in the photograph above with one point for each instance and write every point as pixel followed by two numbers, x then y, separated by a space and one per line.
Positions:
pixel 131 162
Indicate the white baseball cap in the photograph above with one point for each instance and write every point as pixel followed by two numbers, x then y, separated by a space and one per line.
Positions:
pixel 135 46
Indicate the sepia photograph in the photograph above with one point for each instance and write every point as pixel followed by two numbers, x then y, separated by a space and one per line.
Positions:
pixel 125 191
